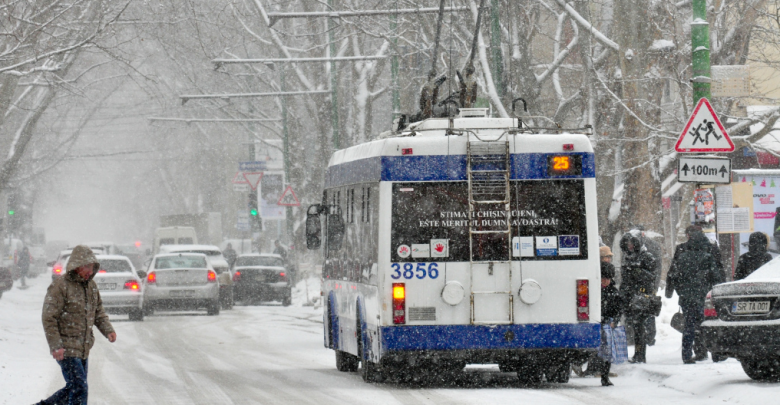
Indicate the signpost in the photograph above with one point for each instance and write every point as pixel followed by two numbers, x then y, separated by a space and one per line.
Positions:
pixel 704 132
pixel 705 169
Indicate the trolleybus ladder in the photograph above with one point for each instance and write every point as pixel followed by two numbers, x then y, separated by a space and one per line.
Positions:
pixel 488 168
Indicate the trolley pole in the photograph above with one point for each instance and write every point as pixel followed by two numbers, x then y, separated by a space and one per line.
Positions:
pixel 700 41
pixel 495 46
pixel 333 82
pixel 394 63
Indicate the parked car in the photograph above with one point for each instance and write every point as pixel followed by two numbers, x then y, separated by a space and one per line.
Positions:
pixel 6 280
pixel 217 261
pixel 742 320
pixel 120 285
pixel 181 281
pixel 261 277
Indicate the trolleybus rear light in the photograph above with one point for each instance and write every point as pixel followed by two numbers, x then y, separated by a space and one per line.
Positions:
pixel 583 301
pixel 407 151
pixel 568 146
pixel 399 303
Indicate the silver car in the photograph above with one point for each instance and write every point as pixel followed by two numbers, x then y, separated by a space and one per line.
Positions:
pixel 181 281
pixel 121 288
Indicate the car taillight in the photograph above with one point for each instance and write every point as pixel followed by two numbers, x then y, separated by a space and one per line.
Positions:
pixel 237 276
pixel 101 271
pixel 57 269
pixel 583 298
pixel 131 285
pixel 151 278
pixel 709 307
pixel 399 303
pixel 282 275
pixel 212 277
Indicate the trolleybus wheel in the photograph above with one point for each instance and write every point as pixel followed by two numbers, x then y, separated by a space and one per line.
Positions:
pixel 368 370
pixel 558 373
pixel 529 374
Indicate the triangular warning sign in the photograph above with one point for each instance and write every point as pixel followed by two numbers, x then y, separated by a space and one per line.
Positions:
pixel 704 132
pixel 253 179
pixel 239 179
pixel 288 198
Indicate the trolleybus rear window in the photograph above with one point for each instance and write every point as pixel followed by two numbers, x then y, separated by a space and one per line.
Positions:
pixel 430 222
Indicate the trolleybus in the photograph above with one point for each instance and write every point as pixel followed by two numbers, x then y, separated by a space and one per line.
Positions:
pixel 457 241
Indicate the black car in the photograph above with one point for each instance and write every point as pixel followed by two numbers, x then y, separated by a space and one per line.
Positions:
pixel 261 277
pixel 742 320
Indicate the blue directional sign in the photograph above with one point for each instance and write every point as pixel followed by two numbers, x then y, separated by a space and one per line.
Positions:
pixel 251 166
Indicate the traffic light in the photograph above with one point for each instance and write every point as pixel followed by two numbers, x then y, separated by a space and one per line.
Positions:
pixel 255 222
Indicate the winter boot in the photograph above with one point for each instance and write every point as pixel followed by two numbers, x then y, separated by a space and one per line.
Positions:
pixel 605 375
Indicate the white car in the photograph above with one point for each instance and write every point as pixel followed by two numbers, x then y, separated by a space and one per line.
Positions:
pixel 217 261
pixel 181 281
pixel 121 287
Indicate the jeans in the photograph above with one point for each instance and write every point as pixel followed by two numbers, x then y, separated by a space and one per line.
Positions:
pixel 74 370
pixel 691 341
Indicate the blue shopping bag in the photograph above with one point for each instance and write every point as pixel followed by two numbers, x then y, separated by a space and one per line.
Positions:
pixel 613 347
pixel 619 345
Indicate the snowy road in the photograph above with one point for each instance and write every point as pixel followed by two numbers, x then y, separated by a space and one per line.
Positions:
pixel 274 355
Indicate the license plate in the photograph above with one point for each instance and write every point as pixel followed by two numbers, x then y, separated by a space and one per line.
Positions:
pixel 106 286
pixel 750 307
pixel 182 293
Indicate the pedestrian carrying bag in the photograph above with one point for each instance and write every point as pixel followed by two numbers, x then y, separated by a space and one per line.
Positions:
pixel 614 347
pixel 678 321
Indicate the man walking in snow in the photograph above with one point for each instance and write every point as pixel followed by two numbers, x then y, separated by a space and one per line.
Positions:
pixel 71 307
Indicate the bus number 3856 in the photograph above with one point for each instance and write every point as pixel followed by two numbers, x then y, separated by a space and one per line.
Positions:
pixel 409 270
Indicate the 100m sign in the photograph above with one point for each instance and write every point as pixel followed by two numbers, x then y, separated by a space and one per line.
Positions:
pixel 410 271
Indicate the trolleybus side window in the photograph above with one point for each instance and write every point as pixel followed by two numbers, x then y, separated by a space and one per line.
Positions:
pixel 550 212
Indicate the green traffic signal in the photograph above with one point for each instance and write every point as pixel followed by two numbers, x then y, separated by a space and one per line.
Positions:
pixel 253 212
pixel 11 212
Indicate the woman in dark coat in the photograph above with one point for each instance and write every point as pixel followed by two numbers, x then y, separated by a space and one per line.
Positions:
pixel 638 278
pixel 754 258
pixel 611 308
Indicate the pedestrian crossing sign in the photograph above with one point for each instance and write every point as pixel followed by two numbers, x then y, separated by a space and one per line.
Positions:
pixel 289 198
pixel 704 132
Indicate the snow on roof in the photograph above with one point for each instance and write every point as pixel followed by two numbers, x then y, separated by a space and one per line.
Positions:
pixel 662 45
pixel 770 141
pixel 259 255
pixel 181 248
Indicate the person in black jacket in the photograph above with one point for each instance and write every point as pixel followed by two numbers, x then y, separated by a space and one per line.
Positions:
pixel 637 278
pixel 754 258
pixel 611 308
pixel 692 274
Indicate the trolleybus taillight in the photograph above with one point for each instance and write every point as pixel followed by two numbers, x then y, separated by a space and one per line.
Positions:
pixel 399 303
pixel 583 298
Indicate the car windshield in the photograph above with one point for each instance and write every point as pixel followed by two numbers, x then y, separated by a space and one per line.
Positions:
pixel 259 261
pixel 180 262
pixel 114 266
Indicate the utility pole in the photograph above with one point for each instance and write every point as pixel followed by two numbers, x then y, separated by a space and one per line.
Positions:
pixel 286 141
pixel 700 42
pixel 394 63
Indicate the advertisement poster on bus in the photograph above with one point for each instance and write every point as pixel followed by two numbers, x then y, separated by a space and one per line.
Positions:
pixel 546 221
pixel 766 201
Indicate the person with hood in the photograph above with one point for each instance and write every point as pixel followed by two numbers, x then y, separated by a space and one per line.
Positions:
pixel 692 274
pixel 71 307
pixel 756 256
pixel 637 278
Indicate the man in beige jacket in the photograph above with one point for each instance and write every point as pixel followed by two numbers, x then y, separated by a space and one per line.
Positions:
pixel 71 307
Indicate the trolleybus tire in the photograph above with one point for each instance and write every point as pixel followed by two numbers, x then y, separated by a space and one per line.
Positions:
pixel 529 374
pixel 558 373
pixel 346 362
